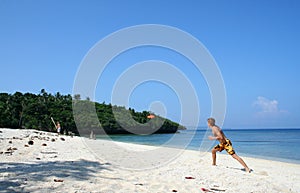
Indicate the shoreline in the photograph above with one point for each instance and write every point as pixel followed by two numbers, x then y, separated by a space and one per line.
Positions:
pixel 65 164
pixel 279 159
pixel 223 153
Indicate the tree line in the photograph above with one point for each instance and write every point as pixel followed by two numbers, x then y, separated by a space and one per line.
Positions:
pixel 78 116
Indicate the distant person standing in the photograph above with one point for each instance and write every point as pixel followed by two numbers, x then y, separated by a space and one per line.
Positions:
pixel 224 144
pixel 58 128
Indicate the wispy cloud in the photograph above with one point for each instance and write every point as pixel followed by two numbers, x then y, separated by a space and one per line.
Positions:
pixel 267 107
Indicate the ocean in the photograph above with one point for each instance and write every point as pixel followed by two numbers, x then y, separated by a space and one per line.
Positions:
pixel 271 144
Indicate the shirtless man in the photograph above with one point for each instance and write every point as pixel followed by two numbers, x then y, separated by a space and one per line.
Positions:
pixel 224 144
pixel 58 127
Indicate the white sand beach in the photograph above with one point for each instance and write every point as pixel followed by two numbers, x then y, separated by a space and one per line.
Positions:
pixel 67 164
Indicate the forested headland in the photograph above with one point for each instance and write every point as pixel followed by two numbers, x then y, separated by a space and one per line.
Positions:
pixel 34 111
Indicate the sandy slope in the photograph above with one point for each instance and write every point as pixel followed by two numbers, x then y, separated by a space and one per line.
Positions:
pixel 73 164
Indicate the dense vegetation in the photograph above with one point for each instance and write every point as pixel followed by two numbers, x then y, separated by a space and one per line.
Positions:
pixel 34 111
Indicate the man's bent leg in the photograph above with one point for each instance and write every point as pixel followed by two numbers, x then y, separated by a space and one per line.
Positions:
pixel 214 156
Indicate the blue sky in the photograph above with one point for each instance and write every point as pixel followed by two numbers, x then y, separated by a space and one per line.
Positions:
pixel 255 44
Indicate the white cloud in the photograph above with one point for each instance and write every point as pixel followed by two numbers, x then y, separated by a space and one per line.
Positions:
pixel 266 106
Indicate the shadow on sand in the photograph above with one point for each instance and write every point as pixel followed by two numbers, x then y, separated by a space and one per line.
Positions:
pixel 15 176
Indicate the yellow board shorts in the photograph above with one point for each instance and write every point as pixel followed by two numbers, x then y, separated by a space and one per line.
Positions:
pixel 227 146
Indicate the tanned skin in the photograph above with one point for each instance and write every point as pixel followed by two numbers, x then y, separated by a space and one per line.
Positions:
pixel 219 135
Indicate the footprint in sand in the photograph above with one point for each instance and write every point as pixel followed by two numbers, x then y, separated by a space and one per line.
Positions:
pixel 263 173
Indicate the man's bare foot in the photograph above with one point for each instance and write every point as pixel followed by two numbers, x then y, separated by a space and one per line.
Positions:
pixel 248 170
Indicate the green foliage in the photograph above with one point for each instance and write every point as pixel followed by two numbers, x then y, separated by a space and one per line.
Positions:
pixel 35 111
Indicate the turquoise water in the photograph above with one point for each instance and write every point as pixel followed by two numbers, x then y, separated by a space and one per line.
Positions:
pixel 273 144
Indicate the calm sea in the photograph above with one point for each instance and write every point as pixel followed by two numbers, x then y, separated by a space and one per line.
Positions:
pixel 273 144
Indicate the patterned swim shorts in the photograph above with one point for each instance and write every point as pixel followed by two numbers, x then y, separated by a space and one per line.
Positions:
pixel 227 146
